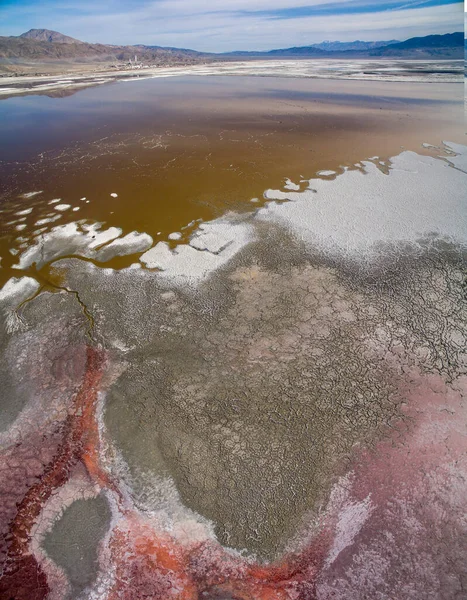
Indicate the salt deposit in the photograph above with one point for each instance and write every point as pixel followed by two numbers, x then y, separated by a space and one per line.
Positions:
pixel 210 248
pixel 89 241
pixel 356 214
pixel 64 240
pixel 459 161
pixel 48 220
pixel 131 243
pixel 31 194
pixel 17 289
pixel 356 69
pixel 290 185
pixel 360 212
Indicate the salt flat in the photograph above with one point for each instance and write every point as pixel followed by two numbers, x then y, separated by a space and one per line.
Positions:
pixel 430 71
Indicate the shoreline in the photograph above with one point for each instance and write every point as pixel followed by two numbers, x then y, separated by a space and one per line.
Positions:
pixel 334 69
pixel 193 256
pixel 199 150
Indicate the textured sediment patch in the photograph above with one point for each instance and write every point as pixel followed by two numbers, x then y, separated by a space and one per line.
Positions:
pixel 361 214
pixel 269 426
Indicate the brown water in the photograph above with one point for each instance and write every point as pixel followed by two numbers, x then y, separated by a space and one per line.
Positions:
pixel 177 150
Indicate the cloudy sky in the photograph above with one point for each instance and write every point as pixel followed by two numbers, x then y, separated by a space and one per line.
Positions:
pixel 222 25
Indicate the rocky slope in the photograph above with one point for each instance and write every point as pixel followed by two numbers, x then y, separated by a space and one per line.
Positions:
pixel 47 35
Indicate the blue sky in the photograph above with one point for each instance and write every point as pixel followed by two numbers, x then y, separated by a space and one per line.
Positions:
pixel 221 25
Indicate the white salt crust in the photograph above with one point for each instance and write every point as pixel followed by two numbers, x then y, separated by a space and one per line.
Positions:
pixel 210 247
pixel 459 161
pixel 359 213
pixel 290 185
pixel 89 241
pixel 47 220
pixel 62 207
pixel 436 70
pixel 18 289
pixel 356 215
pixel 327 173
pixel 132 243
pixel 15 291
pixel 26 211
pixel 31 194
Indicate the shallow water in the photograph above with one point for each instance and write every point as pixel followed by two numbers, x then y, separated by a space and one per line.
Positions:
pixel 174 151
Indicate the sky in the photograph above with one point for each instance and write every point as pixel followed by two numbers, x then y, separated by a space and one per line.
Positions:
pixel 224 25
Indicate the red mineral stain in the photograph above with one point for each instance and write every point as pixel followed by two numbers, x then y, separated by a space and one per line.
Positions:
pixel 22 577
pixel 143 562
pixel 157 566
pixel 146 564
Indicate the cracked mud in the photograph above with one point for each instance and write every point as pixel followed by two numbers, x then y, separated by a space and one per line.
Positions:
pixel 239 413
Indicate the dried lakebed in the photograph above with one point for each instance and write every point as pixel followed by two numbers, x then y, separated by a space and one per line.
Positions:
pixel 429 71
pixel 273 408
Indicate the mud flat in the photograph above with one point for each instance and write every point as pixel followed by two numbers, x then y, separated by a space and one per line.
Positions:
pixel 447 71
pixel 269 406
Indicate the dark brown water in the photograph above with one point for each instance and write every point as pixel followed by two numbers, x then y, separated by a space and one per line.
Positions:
pixel 176 150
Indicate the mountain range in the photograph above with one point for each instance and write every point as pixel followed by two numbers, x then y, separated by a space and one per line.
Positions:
pixel 47 47
pixel 450 45
pixel 329 46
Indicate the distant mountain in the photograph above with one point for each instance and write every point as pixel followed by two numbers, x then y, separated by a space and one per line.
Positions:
pixel 356 45
pixel 47 35
pixel 298 51
pixel 449 40
pixel 48 46
pixel 23 48
pixel 144 48
pixel 450 45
